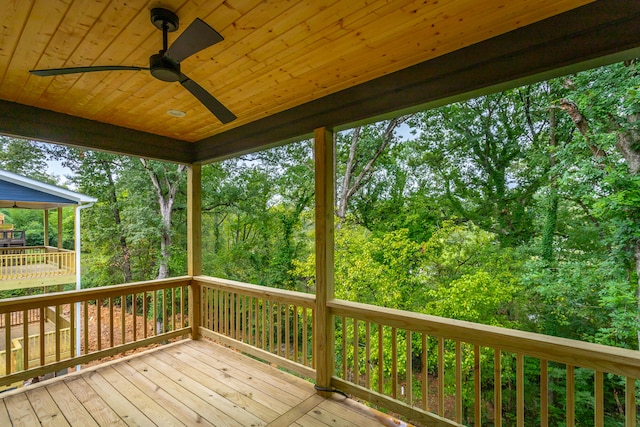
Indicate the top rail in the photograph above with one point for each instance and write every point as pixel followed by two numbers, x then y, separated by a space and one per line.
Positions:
pixel 614 360
pixel 60 298
pixel 272 294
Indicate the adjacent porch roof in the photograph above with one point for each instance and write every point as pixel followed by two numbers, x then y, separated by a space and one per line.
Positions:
pixel 26 193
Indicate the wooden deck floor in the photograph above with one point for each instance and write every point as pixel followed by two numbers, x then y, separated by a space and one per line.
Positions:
pixel 182 384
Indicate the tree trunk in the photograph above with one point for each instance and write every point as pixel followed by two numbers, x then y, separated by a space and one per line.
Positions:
pixel 551 219
pixel 354 180
pixel 113 200
pixel 166 192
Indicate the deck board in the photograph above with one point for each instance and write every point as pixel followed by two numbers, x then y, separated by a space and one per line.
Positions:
pixel 164 393
pixel 69 405
pixel 241 394
pixel 20 411
pixel 181 384
pixel 48 412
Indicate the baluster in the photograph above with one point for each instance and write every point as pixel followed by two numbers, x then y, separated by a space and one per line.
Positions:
pixel 305 338
pixel 598 410
pixel 25 340
pixel 630 402
pixel 356 352
pixel 123 319
pixel 425 373
pixel 57 336
pixel 287 332
pixel 42 343
pixel 134 314
pixel 85 322
pixel 264 324
pixel 497 388
pixel 477 385
pixel 172 293
pixel 394 363
pixel 458 348
pixel 165 319
pixel 344 348
pixel 367 356
pixel 571 400
pixel 278 338
pixel 145 313
pixel 380 359
pixel 520 390
pixel 7 343
pixel 409 370
pixel 296 341
pixel 183 291
pixel 236 316
pixel 441 376
pixel 111 331
pixel 544 393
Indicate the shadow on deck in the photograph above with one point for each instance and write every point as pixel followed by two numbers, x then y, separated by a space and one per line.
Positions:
pixel 185 383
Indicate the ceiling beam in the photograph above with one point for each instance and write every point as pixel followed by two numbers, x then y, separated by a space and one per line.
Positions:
pixel 584 37
pixel 22 121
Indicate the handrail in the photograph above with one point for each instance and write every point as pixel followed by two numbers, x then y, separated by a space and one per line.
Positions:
pixel 273 294
pixel 614 360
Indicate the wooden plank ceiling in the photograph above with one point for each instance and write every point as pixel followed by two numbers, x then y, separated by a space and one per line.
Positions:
pixel 276 56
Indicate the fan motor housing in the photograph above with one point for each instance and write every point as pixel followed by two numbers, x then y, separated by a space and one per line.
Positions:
pixel 164 69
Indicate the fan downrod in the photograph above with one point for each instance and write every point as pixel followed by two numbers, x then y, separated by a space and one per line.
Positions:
pixel 161 67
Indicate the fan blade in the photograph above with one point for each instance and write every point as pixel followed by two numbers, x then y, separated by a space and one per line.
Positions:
pixel 218 110
pixel 73 70
pixel 199 35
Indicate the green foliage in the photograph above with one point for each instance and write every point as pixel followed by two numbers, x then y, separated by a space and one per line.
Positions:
pixel 24 158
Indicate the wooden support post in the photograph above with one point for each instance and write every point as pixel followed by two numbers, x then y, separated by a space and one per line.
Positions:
pixel 45 239
pixel 194 244
pixel 323 337
pixel 60 227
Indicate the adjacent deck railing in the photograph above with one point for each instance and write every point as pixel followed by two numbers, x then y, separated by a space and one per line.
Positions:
pixel 431 370
pixel 29 262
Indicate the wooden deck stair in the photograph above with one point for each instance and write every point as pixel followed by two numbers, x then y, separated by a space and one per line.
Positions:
pixel 182 384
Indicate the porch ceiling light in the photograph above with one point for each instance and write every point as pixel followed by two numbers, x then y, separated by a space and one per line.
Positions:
pixel 176 113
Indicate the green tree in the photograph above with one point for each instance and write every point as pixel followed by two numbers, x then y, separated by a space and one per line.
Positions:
pixel 25 158
pixel 485 157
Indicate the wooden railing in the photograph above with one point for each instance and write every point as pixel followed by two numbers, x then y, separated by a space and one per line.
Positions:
pixel 429 370
pixel 17 318
pixel 35 261
pixel 268 323
pixel 35 352
pixel 446 372
pixel 156 311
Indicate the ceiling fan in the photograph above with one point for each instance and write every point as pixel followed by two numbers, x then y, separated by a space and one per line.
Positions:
pixel 165 65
